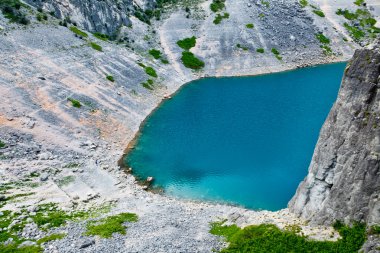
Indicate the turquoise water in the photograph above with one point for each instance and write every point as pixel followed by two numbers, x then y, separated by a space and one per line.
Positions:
pixel 246 140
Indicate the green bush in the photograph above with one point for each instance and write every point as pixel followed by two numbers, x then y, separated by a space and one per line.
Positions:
pixel 319 13
pixel 260 50
pixel 322 38
pixel 51 237
pixel 355 32
pixel 41 16
pixel 217 5
pixel 150 71
pixel 101 36
pixel 11 10
pixel 269 238
pixel 218 19
pixel 190 61
pixel 110 78
pixel 96 46
pixel 78 32
pixel 2 144
pixel 187 43
pixel 147 85
pixel 303 3
pixel 106 227
pixel 276 54
pixel 249 26
pixel 155 53
pixel 359 2
pixel 75 103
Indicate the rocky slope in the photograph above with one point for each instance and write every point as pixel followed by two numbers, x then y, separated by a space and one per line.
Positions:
pixel 68 155
pixel 344 176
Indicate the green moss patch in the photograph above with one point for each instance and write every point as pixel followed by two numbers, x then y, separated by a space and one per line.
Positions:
pixel 190 61
pixel 187 43
pixel 112 224
pixel 269 238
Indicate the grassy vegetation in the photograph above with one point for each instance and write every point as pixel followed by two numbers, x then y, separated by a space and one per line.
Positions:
pixel 303 3
pixel 78 32
pixel 101 36
pixel 276 54
pixel 325 42
pixel 217 5
pixel 190 61
pixel 147 85
pixel 219 18
pixel 96 46
pixel 319 13
pixel 355 32
pixel 269 238
pixel 110 78
pixel 359 2
pixel 65 181
pixel 266 3
pixel 49 238
pixel 2 144
pixel 155 53
pixel 242 47
pixel 260 50
pixel 75 103
pixel 187 43
pixel 11 10
pixel 150 71
pixel 13 248
pixel 41 16
pixel 112 224
pixel 249 26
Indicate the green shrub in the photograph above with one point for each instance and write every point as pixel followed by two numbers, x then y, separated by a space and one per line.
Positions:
pixel 96 46
pixel 359 2
pixel 75 103
pixel 150 71
pixel 155 53
pixel 266 3
pixel 322 38
pixel 303 3
pixel 165 61
pixel 218 19
pixel 190 61
pixel 187 43
pixel 147 85
pixel 110 78
pixel 41 16
pixel 2 144
pixel 319 13
pixel 106 227
pixel 276 54
pixel 217 5
pixel 347 14
pixel 11 10
pixel 269 238
pixel 51 237
pixel 249 26
pixel 101 36
pixel 260 50
pixel 355 32
pixel 78 32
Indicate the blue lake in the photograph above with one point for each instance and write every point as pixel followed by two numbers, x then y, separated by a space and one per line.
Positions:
pixel 247 141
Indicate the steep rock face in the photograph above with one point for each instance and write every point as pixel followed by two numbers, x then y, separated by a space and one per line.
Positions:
pixel 344 177
pixel 106 16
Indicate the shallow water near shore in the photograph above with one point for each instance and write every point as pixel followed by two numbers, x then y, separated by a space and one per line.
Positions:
pixel 241 140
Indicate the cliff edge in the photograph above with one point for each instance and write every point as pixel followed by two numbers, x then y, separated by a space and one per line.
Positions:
pixel 344 177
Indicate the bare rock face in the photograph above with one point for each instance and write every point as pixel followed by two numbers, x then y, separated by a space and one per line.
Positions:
pixel 344 176
pixel 106 16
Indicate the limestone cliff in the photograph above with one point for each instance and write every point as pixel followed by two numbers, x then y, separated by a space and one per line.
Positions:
pixel 344 177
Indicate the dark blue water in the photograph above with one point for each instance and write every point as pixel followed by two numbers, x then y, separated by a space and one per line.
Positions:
pixel 245 140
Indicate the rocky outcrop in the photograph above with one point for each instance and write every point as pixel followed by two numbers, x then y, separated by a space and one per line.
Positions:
pixel 106 16
pixel 344 176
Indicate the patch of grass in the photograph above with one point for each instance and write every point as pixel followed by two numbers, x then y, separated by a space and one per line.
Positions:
pixel 96 46
pixel 266 3
pixel 187 43
pixel 165 61
pixel 106 227
pixel 260 50
pixel 303 3
pixel 101 36
pixel 217 5
pixel 261 15
pixel 110 78
pixel 78 32
pixel 322 38
pixel 319 13
pixel 276 54
pixel 41 16
pixel 75 103
pixel 374 230
pixel 49 238
pixel 355 32
pixel 242 47
pixel 347 14
pixel 11 10
pixel 218 19
pixel 150 71
pixel 190 61
pixel 65 181
pixel 2 144
pixel 155 53
pixel 148 86
pixel 249 26
pixel 359 2
pixel 13 248
pixel 269 238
